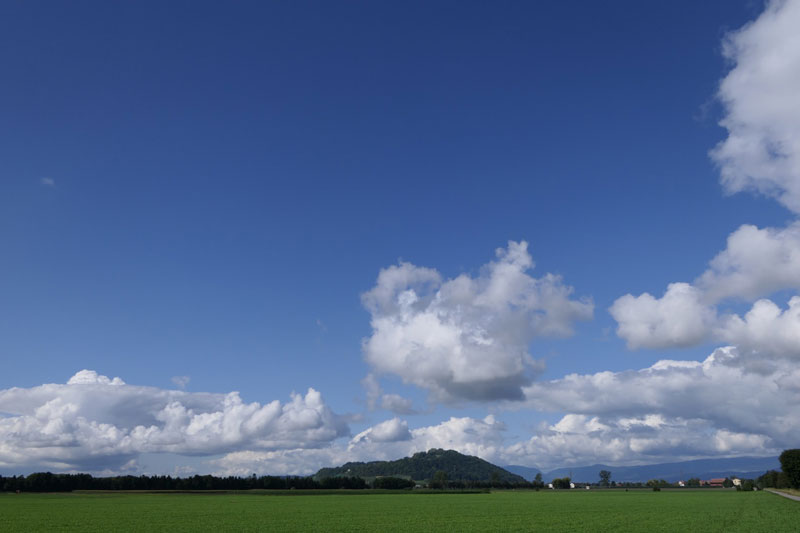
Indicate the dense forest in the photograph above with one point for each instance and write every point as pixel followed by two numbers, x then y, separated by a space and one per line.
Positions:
pixel 425 465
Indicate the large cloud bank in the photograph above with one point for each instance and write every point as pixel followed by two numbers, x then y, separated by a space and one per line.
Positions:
pixel 721 406
pixel 467 338
pixel 93 423
pixel 672 410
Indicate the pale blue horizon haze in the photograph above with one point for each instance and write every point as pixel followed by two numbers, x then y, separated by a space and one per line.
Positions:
pixel 571 207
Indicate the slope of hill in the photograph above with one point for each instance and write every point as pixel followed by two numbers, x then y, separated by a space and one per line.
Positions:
pixel 528 472
pixel 423 465
pixel 744 467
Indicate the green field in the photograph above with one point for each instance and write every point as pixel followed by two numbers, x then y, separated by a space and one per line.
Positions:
pixel 498 511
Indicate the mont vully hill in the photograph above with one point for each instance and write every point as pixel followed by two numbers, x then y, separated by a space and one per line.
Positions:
pixel 423 465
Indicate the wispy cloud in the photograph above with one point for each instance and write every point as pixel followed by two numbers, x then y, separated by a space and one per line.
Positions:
pixel 48 182
pixel 181 381
pixel 391 402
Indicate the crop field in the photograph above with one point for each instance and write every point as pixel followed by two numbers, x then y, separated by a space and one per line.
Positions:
pixel 497 511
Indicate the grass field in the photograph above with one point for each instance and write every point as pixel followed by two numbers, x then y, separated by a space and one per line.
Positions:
pixel 498 511
pixel 794 492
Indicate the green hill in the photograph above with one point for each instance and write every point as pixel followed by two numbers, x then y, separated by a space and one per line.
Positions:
pixel 423 465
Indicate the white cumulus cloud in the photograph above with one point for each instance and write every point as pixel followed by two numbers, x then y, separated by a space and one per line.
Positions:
pixel 766 329
pixel 762 110
pixel 756 262
pixel 678 318
pixel 673 409
pixel 392 430
pixel 467 337
pixel 579 440
pixel 93 422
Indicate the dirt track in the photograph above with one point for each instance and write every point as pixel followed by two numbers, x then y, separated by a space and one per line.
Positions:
pixel 779 493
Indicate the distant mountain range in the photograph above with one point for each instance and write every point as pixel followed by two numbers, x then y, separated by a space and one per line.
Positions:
pixel 423 465
pixel 743 467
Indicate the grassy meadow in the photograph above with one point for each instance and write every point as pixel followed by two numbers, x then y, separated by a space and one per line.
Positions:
pixel 704 510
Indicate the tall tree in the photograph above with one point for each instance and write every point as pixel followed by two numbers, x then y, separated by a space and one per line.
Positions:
pixel 439 480
pixel 790 464
pixel 605 478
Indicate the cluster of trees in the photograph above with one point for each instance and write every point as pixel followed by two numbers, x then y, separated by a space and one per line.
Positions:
pixel 658 484
pixel 788 477
pixel 562 483
pixel 440 480
pixel 697 482
pixel 48 482
pixel 773 479
pixel 392 483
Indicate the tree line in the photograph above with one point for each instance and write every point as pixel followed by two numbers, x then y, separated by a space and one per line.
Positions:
pixel 49 482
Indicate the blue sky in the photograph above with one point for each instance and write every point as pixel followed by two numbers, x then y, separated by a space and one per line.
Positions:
pixel 199 198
